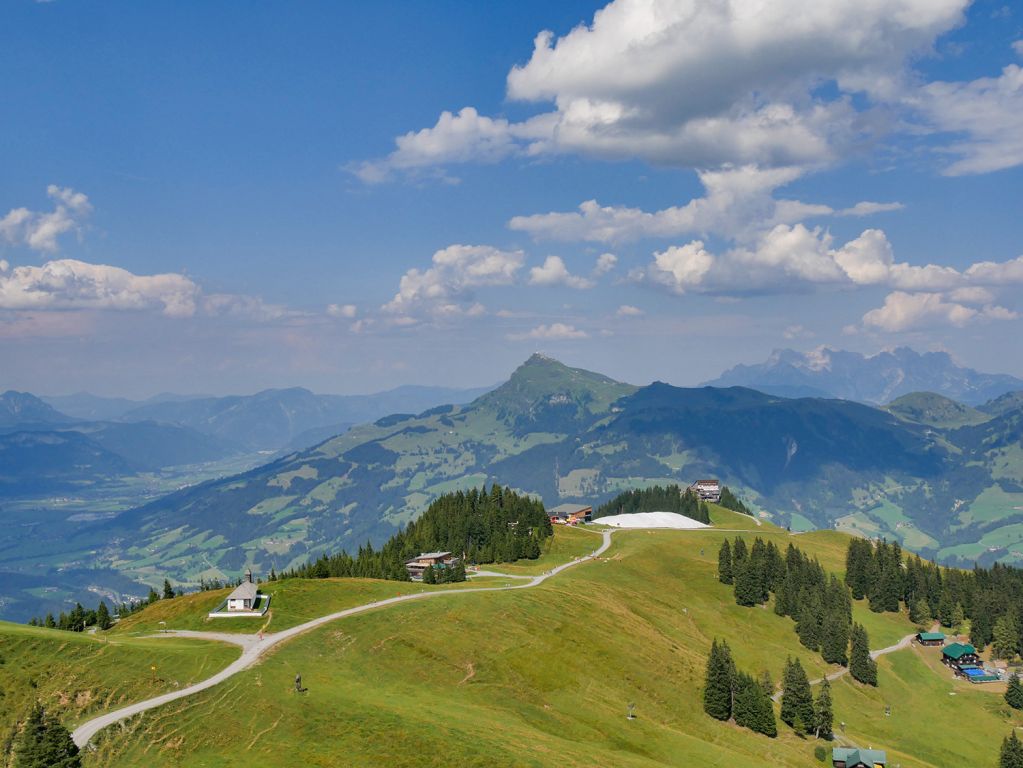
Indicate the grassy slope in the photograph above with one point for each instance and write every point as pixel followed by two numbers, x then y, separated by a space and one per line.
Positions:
pixel 294 601
pixel 85 674
pixel 541 677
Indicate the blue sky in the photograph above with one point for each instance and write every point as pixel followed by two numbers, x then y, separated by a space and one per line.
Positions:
pixel 201 198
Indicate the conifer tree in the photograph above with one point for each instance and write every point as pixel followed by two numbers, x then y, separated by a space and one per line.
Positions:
pixel 1012 752
pixel 796 697
pixel 946 609
pixel 752 706
pixel 747 589
pixel 1014 692
pixel 739 552
pixel 103 620
pixel 823 712
pixel 725 563
pixel 861 666
pixel 920 612
pixel 717 690
pixel 958 616
pixel 811 619
pixel 429 575
pixel 1006 636
pixel 45 743
pixel 835 639
pixel 50 621
pixel 168 590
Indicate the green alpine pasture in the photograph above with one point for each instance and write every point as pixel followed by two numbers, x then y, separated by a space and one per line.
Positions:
pixel 88 674
pixel 543 677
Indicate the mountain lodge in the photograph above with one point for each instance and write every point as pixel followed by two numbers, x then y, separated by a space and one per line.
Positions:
pixel 571 514
pixel 707 490
pixel 417 565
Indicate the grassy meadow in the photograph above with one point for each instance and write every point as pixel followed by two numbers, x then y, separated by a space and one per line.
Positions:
pixel 83 674
pixel 542 677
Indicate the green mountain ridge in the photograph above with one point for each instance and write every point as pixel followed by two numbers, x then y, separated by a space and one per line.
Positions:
pixel 566 434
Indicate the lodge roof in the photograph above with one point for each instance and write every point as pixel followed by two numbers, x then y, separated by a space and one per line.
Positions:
pixel 854 756
pixel 958 650
pixel 431 556
pixel 569 509
pixel 931 635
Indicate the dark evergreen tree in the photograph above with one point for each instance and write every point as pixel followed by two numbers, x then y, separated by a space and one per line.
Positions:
pixel 725 563
pixel 103 620
pixel 752 706
pixel 823 712
pixel 796 697
pixel 861 666
pixel 1014 692
pixel 430 575
pixel 1012 752
pixel 810 621
pixel 835 638
pixel 747 586
pixel 720 677
pixel 168 590
pixel 856 561
pixel 45 743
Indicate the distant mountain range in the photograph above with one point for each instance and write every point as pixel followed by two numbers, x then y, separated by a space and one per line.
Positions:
pixel 878 378
pixel 944 478
pixel 270 420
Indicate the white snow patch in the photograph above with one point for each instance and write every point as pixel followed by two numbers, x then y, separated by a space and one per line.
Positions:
pixel 651 520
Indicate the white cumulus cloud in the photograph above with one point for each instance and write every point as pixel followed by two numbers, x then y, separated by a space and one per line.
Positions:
pixel 447 287
pixel 554 272
pixel 739 203
pixel 627 310
pixel 71 284
pixel 916 311
pixel 40 230
pixel 552 332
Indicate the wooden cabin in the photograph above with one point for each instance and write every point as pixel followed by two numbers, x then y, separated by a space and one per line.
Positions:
pixel 957 655
pixel 930 638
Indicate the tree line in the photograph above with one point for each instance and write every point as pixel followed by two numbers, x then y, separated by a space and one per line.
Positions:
pixel 656 498
pixel 818 603
pixel 990 598
pixel 79 618
pixel 479 526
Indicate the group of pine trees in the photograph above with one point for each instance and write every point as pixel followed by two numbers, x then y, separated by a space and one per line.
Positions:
pixel 804 714
pixel 990 598
pixel 819 603
pixel 657 498
pixel 43 742
pixel 730 501
pixel 498 525
pixel 730 694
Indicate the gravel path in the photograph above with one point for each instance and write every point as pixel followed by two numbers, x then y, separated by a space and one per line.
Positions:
pixel 253 646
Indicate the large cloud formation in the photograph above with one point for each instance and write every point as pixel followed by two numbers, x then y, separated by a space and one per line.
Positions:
pixel 70 284
pixel 703 83
pixel 447 288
